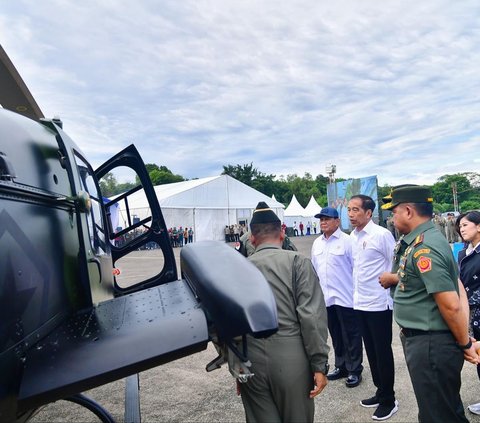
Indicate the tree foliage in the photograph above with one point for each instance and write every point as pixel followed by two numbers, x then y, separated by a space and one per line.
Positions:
pixel 110 186
pixel 160 175
pixel 283 187
pixel 251 176
pixel 303 187
pixel 467 186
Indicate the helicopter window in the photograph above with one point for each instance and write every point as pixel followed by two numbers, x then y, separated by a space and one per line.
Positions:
pixel 127 205
pixel 94 218
pixel 128 211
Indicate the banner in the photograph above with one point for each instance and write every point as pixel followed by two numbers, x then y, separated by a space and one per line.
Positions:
pixel 339 193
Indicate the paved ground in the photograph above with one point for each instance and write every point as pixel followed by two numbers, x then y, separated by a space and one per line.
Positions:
pixel 181 391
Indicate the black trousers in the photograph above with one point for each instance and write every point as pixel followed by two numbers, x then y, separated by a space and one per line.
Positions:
pixel 346 338
pixel 434 363
pixel 376 329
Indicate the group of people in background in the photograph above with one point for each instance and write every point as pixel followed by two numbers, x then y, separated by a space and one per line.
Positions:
pixel 180 237
pixel 446 226
pixel 234 232
pixel 310 228
pixel 368 278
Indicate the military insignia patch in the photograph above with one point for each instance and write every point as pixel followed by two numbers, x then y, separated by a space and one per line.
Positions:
pixel 418 240
pixel 422 251
pixel 424 264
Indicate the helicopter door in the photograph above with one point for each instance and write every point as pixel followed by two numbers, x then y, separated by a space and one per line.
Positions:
pixel 136 231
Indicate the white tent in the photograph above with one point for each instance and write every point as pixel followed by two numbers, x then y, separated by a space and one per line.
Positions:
pixel 294 213
pixel 312 208
pixel 206 205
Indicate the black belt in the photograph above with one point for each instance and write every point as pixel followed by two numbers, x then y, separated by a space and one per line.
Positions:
pixel 416 332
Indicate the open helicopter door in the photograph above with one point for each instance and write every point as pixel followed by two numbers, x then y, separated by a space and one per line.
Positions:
pixel 136 229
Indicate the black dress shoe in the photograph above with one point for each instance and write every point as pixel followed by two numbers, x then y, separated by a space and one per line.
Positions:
pixel 353 380
pixel 337 373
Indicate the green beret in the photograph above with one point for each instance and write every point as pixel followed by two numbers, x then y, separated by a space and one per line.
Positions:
pixel 409 194
pixel 263 214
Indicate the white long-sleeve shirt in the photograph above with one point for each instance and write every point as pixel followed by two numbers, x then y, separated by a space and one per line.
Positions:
pixel 332 260
pixel 372 249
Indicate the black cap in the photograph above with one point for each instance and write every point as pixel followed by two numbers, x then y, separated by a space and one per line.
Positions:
pixel 409 194
pixel 263 214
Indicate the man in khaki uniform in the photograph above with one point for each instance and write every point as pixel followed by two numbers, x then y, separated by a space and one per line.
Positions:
pixel 430 307
pixel 290 366
pixel 245 246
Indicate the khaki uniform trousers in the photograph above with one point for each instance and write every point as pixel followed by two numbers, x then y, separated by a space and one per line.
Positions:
pixel 279 391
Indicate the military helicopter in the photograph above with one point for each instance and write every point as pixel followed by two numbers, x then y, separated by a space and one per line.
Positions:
pixel 66 323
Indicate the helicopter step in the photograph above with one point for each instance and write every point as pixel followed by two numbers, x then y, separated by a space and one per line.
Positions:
pixel 115 339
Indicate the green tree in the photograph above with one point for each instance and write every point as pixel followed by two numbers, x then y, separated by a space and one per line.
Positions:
pixel 303 188
pixel 281 191
pixel 244 173
pixel 109 185
pixel 468 191
pixel 474 178
pixel 251 176
pixel 322 184
pixel 443 190
pixel 160 175
pixel 468 205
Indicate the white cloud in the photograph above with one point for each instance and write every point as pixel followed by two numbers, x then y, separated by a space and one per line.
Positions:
pixel 387 88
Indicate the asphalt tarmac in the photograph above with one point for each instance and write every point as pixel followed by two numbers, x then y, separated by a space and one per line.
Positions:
pixel 182 391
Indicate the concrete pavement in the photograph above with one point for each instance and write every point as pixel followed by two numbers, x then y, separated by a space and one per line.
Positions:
pixel 182 391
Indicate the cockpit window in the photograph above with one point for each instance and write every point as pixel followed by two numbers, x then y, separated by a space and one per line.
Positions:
pixel 94 218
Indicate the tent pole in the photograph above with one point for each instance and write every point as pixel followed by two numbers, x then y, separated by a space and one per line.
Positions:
pixel 194 226
pixel 228 201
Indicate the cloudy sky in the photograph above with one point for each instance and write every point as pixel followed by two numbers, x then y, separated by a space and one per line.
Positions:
pixel 389 87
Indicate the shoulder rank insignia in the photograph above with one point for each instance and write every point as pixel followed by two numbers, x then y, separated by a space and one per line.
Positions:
pixel 424 264
pixel 421 251
pixel 418 240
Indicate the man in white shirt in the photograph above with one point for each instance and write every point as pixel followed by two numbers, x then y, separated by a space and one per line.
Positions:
pixel 333 262
pixel 373 249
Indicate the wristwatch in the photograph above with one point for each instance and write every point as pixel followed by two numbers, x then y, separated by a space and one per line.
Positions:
pixel 466 346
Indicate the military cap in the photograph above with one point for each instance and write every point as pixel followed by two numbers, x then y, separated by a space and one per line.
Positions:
pixel 388 198
pixel 409 194
pixel 263 214
pixel 327 212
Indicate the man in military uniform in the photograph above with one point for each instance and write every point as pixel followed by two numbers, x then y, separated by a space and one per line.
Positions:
pixel 439 223
pixel 452 235
pixel 245 246
pixel 430 308
pixel 290 366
